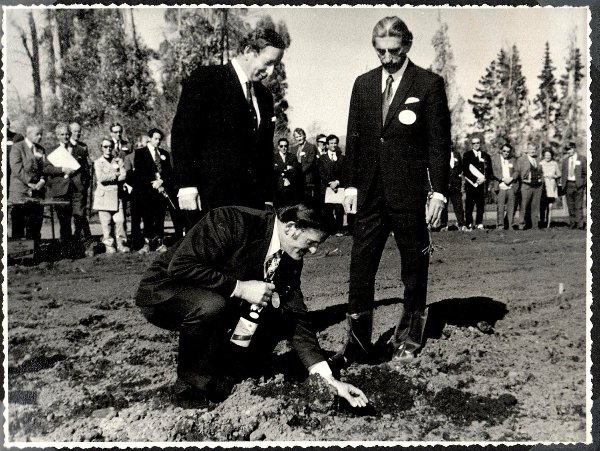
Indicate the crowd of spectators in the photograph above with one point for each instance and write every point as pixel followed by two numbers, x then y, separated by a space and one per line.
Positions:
pixel 133 184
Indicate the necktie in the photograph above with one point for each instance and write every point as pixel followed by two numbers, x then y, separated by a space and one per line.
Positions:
pixel 157 160
pixel 299 154
pixel 332 156
pixel 272 264
pixel 251 103
pixel 387 97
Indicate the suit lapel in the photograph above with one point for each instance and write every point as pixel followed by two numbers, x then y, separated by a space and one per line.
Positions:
pixel 374 92
pixel 401 92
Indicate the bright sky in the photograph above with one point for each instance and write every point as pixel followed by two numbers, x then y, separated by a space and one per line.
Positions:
pixel 332 46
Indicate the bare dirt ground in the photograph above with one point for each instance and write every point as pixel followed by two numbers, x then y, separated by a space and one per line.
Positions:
pixel 505 358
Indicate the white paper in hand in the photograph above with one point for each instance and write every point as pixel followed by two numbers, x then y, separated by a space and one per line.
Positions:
pixel 61 158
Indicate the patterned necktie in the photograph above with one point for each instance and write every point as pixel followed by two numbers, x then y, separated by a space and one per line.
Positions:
pixel 272 264
pixel 387 97
pixel 157 160
pixel 251 104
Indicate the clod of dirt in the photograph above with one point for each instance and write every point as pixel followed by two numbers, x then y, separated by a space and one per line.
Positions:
pixel 465 408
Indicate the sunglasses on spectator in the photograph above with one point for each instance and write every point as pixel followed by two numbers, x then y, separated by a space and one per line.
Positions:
pixel 107 147
pixel 322 142
pixel 283 145
pixel 393 52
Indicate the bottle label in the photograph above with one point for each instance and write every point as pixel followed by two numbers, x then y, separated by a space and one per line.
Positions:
pixel 243 332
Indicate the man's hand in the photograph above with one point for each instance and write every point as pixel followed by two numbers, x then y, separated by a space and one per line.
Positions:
pixel 354 396
pixel 189 201
pixel 350 201
pixel 480 180
pixel 434 212
pixel 67 171
pixel 38 186
pixel 255 291
pixel 507 180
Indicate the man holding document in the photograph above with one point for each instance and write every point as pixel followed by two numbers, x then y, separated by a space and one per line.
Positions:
pixel 68 178
pixel 477 168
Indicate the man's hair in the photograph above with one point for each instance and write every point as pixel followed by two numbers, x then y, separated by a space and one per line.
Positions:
pixel 115 124
pixel 330 137
pixel 548 149
pixel 262 38
pixel 300 131
pixel 282 139
pixel 72 124
pixel 393 27
pixel 507 144
pixel 61 126
pixel 321 135
pixel 107 139
pixel 305 215
pixel 152 131
pixel 572 145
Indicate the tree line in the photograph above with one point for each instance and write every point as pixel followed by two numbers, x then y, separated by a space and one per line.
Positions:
pixel 97 70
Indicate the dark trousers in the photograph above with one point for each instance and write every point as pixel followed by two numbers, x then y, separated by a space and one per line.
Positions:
pixel 474 197
pixel 27 221
pixel 79 205
pixel 137 239
pixel 65 215
pixel 574 198
pixel 456 198
pixel 505 206
pixel 530 205
pixel 373 224
pixel 335 214
pixel 153 210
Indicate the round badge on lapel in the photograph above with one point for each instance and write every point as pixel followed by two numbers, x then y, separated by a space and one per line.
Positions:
pixel 407 117
pixel 275 301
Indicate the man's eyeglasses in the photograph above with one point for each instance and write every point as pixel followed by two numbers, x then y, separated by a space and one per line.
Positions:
pixel 393 52
pixel 283 146
pixel 107 147
pixel 475 143
pixel 321 142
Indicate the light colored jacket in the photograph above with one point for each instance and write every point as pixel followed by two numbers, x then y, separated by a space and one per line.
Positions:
pixel 110 177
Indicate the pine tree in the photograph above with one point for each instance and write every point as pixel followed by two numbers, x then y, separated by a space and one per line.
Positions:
pixel 444 66
pixel 484 101
pixel 571 125
pixel 546 102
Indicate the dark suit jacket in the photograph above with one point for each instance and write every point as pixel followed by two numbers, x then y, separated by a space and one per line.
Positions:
pixel 414 138
pixel 226 245
pixel 24 168
pixel 124 150
pixel 485 167
pixel 455 179
pixel 214 145
pixel 329 170
pixel 579 169
pixel 524 168
pixel 308 161
pixel 143 173
pixel 78 182
pixel 497 171
pixel 281 171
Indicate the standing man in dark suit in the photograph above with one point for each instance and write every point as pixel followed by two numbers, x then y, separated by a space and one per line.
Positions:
pixel 477 169
pixel 81 189
pixel 455 192
pixel 27 188
pixel 122 147
pixel 150 180
pixel 233 259
pixel 287 176
pixel 574 181
pixel 222 136
pixel 397 150
pixel 330 167
pixel 66 184
pixel 531 178
pixel 306 153
pixel 506 181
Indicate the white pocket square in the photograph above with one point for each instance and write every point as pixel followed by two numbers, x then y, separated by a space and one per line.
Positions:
pixel 273 119
pixel 412 100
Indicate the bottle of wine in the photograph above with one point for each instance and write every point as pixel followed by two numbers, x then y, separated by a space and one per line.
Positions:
pixel 246 326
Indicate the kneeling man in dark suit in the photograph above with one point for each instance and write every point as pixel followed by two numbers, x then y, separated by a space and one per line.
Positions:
pixel 223 266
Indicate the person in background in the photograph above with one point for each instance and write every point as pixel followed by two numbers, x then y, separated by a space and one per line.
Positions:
pixel 108 198
pixel 288 177
pixel 27 187
pixel 81 190
pixel 455 193
pixel 306 153
pixel 121 145
pixel 330 173
pixel 506 179
pixel 321 145
pixel 477 169
pixel 232 259
pixel 152 182
pixel 552 174
pixel 11 138
pixel 574 181
pixel 530 174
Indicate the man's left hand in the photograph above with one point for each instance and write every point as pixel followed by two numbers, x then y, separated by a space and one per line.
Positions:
pixel 434 211
pixel 354 396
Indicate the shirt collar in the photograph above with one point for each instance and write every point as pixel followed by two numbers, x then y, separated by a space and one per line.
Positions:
pixel 242 77
pixel 151 147
pixel 275 244
pixel 29 143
